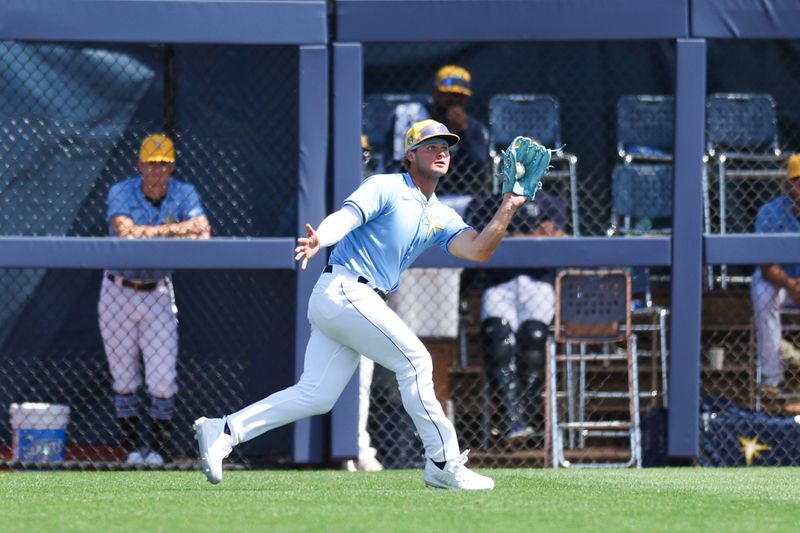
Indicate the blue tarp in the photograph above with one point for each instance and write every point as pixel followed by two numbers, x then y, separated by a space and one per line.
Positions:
pixel 733 436
pixel 63 108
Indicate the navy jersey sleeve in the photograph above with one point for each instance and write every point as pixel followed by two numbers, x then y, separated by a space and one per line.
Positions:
pixel 475 141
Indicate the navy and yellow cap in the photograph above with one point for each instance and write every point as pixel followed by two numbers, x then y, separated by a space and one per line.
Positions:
pixel 157 148
pixel 424 130
pixel 793 167
pixel 453 79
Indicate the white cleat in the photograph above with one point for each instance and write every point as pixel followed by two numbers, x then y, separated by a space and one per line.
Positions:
pixel 214 444
pixel 370 464
pixel 135 458
pixel 455 476
pixel 153 458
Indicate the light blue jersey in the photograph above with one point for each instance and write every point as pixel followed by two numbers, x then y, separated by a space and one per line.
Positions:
pixel 398 224
pixel 126 198
pixel 777 216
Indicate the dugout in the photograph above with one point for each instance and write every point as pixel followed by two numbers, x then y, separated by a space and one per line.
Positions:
pixel 328 55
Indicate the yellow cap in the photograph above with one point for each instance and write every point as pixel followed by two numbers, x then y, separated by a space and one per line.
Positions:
pixel 793 167
pixel 365 143
pixel 421 131
pixel 157 148
pixel 453 79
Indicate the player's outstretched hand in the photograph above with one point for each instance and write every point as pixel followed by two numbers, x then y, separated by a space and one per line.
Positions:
pixel 514 200
pixel 307 247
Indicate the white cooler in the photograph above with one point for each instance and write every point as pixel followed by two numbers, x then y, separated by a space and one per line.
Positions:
pixel 39 431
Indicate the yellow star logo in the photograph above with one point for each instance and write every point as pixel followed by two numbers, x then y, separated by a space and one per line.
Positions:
pixel 752 448
pixel 433 224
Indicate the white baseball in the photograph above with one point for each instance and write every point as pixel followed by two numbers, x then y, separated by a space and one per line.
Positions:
pixel 520 170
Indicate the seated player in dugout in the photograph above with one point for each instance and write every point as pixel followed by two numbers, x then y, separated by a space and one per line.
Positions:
pixel 517 308
pixel 469 159
pixel 776 286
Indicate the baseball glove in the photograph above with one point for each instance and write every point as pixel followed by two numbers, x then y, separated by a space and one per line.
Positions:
pixel 525 162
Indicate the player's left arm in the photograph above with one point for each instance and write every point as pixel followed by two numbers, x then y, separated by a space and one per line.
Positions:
pixel 193 223
pixel 480 247
pixel 194 228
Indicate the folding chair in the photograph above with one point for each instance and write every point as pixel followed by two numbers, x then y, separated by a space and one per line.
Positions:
pixel 376 118
pixel 593 331
pixel 741 144
pixel 640 194
pixel 645 127
pixel 536 116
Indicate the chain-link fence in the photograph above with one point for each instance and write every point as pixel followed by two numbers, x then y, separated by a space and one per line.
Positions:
pixel 53 352
pixel 749 373
pixel 610 108
pixel 73 119
pixel 135 355
pixel 488 329
pixel 565 94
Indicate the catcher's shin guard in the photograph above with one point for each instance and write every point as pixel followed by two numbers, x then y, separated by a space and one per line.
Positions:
pixel 531 356
pixel 498 352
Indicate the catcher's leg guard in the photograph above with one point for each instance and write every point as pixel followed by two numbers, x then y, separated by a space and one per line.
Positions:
pixel 498 351
pixel 531 356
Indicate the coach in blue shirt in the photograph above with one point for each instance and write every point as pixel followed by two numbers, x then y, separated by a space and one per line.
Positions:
pixel 137 313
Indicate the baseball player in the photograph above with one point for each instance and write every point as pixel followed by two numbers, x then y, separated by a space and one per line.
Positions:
pixel 367 460
pixel 775 285
pixel 516 310
pixel 137 313
pixel 381 229
pixel 452 89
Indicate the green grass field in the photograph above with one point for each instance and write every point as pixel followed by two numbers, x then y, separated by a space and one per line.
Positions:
pixel 680 499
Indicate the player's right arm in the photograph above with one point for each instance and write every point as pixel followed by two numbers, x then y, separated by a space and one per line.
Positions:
pixel 778 278
pixel 331 230
pixel 768 221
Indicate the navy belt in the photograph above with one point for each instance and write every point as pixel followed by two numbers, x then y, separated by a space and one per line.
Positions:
pixel 361 279
pixel 144 286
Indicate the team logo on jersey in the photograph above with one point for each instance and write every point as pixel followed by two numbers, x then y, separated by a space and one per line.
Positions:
pixel 432 221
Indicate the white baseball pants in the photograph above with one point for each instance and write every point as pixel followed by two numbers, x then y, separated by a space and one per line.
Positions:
pixel 347 319
pixel 767 303
pixel 366 368
pixel 519 299
pixel 134 323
